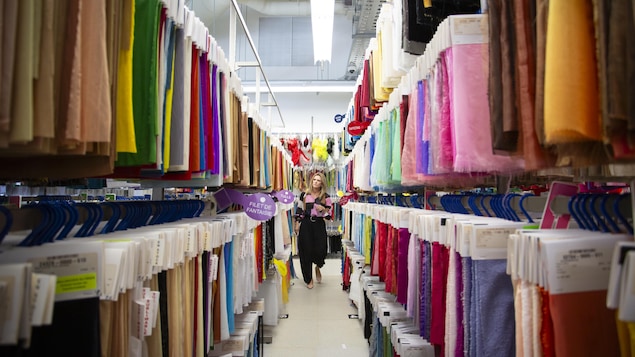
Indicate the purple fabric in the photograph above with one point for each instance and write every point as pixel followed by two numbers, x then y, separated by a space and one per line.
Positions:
pixel 204 71
pixel 215 119
pixel 426 264
pixel 402 265
pixel 422 146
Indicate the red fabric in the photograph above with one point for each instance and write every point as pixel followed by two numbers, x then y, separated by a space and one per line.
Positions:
pixel 395 259
pixel 195 156
pixel 259 252
pixel 382 233
pixel 440 261
pixel 346 277
pixel 546 328
pixel 388 276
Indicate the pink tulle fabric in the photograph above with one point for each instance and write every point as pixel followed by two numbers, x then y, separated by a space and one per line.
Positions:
pixel 468 73
pixel 409 175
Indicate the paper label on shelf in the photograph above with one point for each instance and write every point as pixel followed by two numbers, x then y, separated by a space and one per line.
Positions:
pixel 469 29
pixel 76 274
pixel 213 267
pixel 490 242
pixel 578 265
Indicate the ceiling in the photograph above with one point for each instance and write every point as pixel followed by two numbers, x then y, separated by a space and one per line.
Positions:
pixel 281 33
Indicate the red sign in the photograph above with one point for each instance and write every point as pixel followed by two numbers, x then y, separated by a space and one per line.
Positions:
pixel 356 128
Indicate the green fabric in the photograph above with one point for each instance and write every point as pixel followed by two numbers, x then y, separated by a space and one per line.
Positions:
pixel 395 148
pixel 144 86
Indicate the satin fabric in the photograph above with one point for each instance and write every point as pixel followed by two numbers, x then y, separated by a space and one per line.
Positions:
pixel 403 241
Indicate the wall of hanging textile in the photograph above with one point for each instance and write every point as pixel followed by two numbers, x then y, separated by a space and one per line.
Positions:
pixel 176 288
pixel 505 92
pixel 127 89
pixel 480 286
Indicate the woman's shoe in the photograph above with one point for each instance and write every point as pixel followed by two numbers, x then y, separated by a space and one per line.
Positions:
pixel 310 285
pixel 318 274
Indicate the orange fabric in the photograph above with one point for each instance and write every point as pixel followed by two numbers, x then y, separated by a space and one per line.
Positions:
pixel 582 325
pixel 572 112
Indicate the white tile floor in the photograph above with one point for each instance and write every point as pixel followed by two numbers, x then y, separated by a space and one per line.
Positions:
pixel 318 324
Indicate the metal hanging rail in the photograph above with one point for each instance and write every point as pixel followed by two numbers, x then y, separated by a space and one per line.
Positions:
pixel 232 52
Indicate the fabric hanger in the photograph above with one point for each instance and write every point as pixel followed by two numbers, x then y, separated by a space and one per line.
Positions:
pixel 68 210
pixel 605 208
pixel 522 206
pixel 620 216
pixel 507 198
pixel 114 218
pixel 33 238
pixel 595 212
pixel 8 222
pixel 572 205
pixel 471 201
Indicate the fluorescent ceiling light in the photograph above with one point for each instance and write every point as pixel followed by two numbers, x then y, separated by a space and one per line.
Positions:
pixel 322 12
pixel 304 87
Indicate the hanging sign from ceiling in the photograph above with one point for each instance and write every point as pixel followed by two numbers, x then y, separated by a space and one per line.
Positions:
pixel 356 128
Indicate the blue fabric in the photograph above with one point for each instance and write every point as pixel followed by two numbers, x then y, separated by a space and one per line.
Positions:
pixel 229 273
pixel 493 325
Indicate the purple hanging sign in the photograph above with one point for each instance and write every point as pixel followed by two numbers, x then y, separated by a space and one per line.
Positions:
pixel 285 196
pixel 259 206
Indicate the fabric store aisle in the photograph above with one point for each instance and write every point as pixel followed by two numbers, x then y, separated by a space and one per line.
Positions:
pixel 318 324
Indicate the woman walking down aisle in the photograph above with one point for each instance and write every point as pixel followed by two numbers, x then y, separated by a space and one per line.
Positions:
pixel 314 207
pixel 319 322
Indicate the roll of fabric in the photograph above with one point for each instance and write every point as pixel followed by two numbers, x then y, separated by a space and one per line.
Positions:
pixel 572 111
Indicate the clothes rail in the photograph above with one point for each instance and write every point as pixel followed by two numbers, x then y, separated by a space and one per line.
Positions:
pixel 56 219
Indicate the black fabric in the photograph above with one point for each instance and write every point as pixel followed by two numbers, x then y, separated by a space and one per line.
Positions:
pixel 206 298
pixel 74 332
pixel 368 313
pixel 420 22
pixel 250 125
pixel 163 312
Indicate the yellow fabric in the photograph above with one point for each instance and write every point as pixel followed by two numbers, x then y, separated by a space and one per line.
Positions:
pixel 631 347
pixel 571 87
pixel 126 140
pixel 168 120
pixel 623 336
pixel 282 270
pixel 381 93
